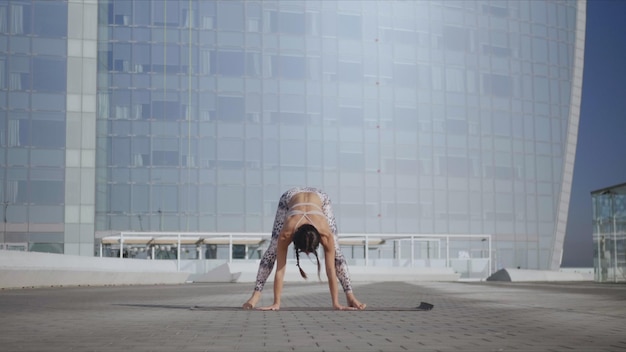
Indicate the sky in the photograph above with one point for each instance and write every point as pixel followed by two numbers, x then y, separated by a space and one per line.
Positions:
pixel 601 151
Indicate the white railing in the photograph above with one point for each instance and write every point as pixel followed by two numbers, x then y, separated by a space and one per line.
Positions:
pixel 15 246
pixel 467 254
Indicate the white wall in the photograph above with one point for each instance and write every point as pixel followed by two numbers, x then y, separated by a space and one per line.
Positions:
pixel 32 269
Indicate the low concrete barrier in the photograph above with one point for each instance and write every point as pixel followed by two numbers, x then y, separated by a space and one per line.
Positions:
pixel 245 271
pixel 523 275
pixel 33 269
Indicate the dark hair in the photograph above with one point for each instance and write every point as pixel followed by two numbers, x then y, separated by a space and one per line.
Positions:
pixel 306 239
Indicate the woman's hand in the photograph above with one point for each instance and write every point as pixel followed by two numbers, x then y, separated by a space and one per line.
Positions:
pixel 256 295
pixel 272 307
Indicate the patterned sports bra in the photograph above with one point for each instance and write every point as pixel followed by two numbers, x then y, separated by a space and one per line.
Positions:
pixel 305 214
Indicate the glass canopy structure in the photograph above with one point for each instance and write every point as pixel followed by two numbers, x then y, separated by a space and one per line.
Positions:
pixel 609 233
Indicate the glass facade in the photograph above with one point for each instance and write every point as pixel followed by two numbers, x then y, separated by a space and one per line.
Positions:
pixel 46 78
pixel 609 229
pixel 33 85
pixel 416 117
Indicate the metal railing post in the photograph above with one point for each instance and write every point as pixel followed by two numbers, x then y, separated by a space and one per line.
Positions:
pixel 366 250
pixel 447 251
pixel 230 248
pixel 412 250
pixel 178 254
pixel 490 261
pixel 121 245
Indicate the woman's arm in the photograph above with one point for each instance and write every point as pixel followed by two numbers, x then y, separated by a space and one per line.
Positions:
pixel 281 263
pixel 329 263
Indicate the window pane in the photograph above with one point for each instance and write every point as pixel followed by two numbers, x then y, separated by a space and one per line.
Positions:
pixel 48 46
pixel 230 63
pixel 42 157
pixel 349 27
pixel 120 198
pixel 49 74
pixel 293 23
pixel 230 16
pixel 48 134
pixel 50 19
pixel 46 214
pixel 48 101
pixel 140 198
pixel 231 109
pixel 46 192
pixel 120 152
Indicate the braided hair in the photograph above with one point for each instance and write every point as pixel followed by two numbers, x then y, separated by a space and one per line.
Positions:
pixel 306 239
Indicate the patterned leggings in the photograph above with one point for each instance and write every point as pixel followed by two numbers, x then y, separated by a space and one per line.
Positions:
pixel 269 258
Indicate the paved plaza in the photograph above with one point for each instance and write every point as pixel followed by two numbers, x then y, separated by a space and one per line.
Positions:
pixel 476 316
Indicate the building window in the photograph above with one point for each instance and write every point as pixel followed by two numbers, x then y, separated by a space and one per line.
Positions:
pixel 49 74
pixel 286 22
pixel 229 63
pixel 231 109
pixel 19 18
pixel 230 16
pixel 456 38
pixel 497 85
pixel 349 27
pixel 290 67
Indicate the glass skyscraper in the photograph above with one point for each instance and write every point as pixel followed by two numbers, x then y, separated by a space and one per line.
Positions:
pixel 416 117
pixel 48 124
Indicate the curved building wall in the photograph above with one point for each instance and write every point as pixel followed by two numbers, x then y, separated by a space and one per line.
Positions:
pixel 424 117
pixel 572 137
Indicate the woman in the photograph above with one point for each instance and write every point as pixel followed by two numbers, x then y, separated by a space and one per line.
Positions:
pixel 304 217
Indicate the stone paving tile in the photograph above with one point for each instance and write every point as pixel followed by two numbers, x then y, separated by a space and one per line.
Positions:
pixel 467 316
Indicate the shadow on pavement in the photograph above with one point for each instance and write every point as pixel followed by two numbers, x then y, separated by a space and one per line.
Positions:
pixel 422 307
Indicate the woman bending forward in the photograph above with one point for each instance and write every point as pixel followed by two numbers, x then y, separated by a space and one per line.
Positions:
pixel 304 217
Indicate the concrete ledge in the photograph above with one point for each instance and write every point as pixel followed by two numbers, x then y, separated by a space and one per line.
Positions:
pixel 361 273
pixel 523 275
pixel 32 269
pixel 246 272
pixel 22 278
pixel 222 273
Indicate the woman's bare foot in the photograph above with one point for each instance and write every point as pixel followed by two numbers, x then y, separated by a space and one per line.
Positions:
pixel 356 304
pixel 353 302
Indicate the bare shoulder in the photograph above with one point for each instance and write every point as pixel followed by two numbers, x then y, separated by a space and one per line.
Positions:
pixel 287 231
pixel 326 239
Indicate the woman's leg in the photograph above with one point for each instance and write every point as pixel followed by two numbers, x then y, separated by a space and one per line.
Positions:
pixel 269 257
pixel 341 267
